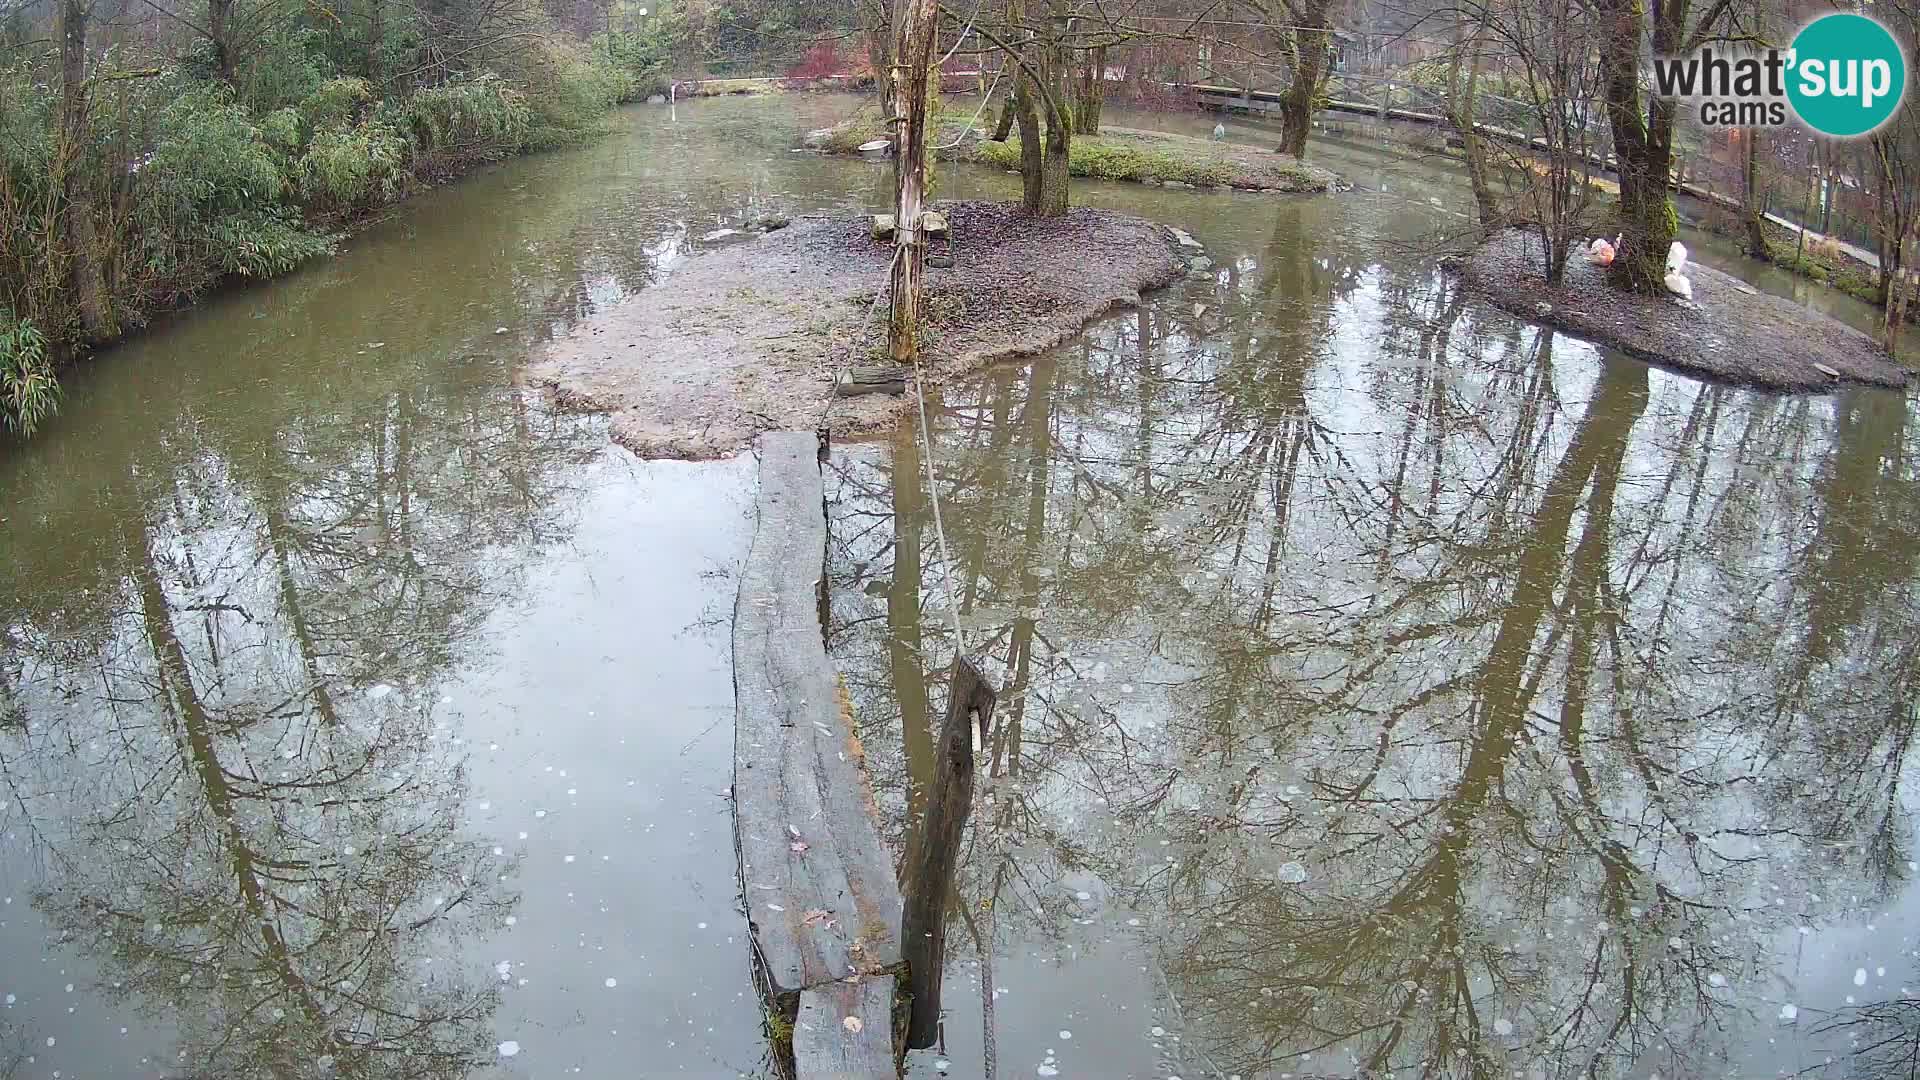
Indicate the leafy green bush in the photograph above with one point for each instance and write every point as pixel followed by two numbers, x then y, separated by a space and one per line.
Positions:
pixel 346 168
pixel 212 198
pixel 334 103
pixel 28 392
pixel 480 117
pixel 261 244
pixel 567 94
pixel 289 67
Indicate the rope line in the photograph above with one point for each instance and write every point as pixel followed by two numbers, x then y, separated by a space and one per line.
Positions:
pixel 933 496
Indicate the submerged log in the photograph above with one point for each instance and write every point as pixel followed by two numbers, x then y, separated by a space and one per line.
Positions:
pixel 935 850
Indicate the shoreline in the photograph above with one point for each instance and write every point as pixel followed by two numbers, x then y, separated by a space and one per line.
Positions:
pixel 750 338
pixel 1729 331
pixel 1137 155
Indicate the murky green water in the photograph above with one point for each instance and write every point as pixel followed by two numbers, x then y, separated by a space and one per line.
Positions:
pixel 1395 689
pixel 1399 685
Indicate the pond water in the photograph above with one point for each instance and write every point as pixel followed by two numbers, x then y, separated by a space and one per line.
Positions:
pixel 1391 686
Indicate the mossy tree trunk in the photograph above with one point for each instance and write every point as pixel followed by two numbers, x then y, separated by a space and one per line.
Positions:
pixel 220 32
pixel 1752 200
pixel 377 43
pixel 1643 132
pixel 1056 75
pixel 1090 92
pixel 1310 41
pixel 1031 150
pixel 78 197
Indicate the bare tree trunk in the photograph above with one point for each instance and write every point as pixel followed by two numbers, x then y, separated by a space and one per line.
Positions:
pixel 1031 152
pixel 913 55
pixel 220 32
pixel 1090 92
pixel 76 185
pixel 1053 164
pixel 876 17
pixel 1003 127
pixel 1311 40
pixel 377 43
pixel 1460 116
pixel 1751 208
pixel 1642 142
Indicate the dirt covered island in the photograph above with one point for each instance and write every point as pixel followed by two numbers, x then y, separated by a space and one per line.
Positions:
pixel 751 338
pixel 1728 330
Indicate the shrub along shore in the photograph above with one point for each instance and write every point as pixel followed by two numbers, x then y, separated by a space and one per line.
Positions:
pixel 181 176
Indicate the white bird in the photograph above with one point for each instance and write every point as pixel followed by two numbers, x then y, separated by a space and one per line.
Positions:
pixel 1219 132
pixel 1676 281
pixel 1676 257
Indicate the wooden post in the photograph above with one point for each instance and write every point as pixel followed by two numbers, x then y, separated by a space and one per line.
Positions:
pixel 935 849
pixel 912 56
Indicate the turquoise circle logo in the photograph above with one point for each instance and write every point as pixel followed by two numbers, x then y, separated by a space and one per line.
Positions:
pixel 1848 75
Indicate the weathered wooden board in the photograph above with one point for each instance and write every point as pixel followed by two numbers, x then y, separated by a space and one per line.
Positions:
pixel 821 898
pixel 871 380
pixel 826 1046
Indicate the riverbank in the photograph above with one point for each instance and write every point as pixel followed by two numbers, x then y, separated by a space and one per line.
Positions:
pixel 1728 331
pixel 1155 158
pixel 214 185
pixel 749 339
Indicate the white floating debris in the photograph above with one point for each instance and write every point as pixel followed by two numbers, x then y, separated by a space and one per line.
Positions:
pixel 1859 976
pixel 853 1024
pixel 1156 1031
pixel 941 1065
pixel 1291 873
pixel 378 691
pixel 1065 1035
pixel 509 1048
pixel 504 969
pixel 1083 896
pixel 1714 978
pixel 1133 922
pixel 611 983
pixel 1503 1026
pixel 1789 1012
pixel 500 330
pixel 1047 1070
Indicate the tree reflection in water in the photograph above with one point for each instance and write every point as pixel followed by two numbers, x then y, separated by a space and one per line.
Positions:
pixel 1476 704
pixel 229 750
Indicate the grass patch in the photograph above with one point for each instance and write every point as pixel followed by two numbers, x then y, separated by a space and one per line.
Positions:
pixel 1094 157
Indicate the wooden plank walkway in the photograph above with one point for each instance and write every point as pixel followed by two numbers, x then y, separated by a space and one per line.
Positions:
pixel 823 907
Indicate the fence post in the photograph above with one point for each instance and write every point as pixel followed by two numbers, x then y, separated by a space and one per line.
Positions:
pixel 935 849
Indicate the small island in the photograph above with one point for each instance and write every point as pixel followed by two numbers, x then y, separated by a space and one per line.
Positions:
pixel 1728 329
pixel 751 337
